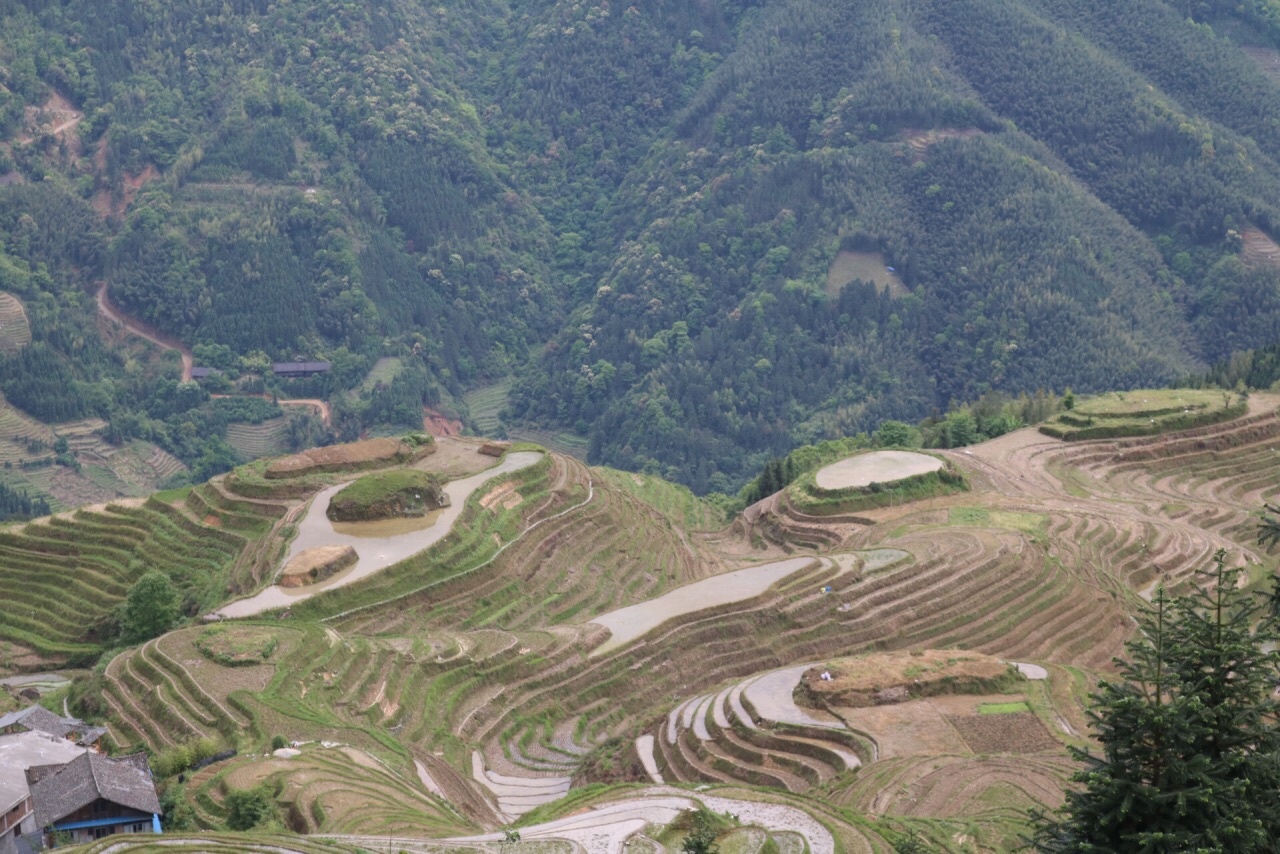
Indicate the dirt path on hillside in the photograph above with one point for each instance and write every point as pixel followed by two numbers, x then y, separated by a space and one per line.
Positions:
pixel 57 109
pixel 143 330
pixel 313 402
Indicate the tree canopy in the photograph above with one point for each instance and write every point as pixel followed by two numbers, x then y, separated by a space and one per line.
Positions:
pixel 1190 754
pixel 150 609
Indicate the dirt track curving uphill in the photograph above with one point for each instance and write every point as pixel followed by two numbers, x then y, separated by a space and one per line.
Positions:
pixel 108 310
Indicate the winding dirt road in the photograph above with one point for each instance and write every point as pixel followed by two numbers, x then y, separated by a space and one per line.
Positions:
pixel 313 402
pixel 143 330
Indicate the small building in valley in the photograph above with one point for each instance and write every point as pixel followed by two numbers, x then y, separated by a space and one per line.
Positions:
pixel 290 370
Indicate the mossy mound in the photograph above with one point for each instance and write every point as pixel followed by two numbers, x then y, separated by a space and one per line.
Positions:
pixel 388 495
pixel 237 646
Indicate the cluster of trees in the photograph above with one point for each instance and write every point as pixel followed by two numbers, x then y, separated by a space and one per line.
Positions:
pixel 17 504
pixel 1245 369
pixel 150 609
pixel 1190 753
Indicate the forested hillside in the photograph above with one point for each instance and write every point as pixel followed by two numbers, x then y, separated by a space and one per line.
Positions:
pixel 697 235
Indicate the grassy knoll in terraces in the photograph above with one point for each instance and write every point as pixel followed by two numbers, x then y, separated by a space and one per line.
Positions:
pixel 1146 412
pixel 457 691
pixel 386 495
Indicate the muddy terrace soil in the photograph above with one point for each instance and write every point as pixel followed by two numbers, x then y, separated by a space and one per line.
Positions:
pixel 1021 732
pixel 875 467
pixel 857 679
pixel 357 453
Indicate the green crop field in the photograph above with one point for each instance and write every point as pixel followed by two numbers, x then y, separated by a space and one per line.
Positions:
pixel 382 372
pixel 1002 708
pixel 266 439
pixel 485 404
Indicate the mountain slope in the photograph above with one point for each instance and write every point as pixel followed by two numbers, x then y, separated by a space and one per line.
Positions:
pixel 640 211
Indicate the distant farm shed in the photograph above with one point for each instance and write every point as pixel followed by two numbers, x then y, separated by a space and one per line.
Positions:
pixel 299 369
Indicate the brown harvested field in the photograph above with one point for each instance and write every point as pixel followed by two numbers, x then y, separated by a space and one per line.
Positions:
pixel 1259 249
pixel 1018 732
pixel 368 452
pixel 921 140
pixel 856 681
pixel 867 266
pixel 454 457
pixel 905 729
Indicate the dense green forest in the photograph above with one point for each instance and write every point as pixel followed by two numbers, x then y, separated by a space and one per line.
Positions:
pixel 639 212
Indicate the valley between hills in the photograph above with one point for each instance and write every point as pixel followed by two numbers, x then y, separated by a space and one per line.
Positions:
pixel 582 655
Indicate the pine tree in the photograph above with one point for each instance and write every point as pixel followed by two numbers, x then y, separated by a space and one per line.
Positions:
pixel 1189 753
pixel 1269 530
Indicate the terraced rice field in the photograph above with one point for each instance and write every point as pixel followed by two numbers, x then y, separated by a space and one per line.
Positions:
pixel 485 404
pixel 64 575
pixel 478 674
pixel 383 372
pixel 17 429
pixel 15 329
pixel 253 441
pixel 560 442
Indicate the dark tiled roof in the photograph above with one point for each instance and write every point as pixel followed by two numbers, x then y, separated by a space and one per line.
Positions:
pixel 125 781
pixel 40 719
pixel 200 373
pixel 299 367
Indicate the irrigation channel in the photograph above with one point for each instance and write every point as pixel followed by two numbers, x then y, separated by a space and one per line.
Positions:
pixel 378 545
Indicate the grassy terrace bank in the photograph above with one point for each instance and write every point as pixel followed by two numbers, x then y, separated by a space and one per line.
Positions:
pixel 1144 413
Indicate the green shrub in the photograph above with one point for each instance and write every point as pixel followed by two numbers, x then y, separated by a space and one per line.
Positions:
pixel 250 808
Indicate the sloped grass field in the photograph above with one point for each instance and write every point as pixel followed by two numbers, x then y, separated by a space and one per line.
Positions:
pixel 15 329
pixel 478 652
